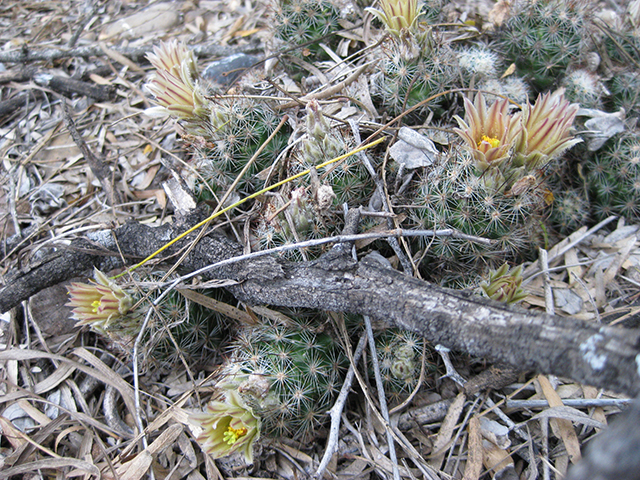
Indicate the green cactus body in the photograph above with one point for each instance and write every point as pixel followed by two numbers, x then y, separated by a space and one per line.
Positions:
pixel 570 210
pixel 543 38
pixel 613 177
pixel 186 331
pixel 299 23
pixel 585 88
pixel 236 129
pixel 404 82
pixel 288 375
pixel 625 91
pixel 478 63
pixel 454 195
pixel 514 88
pixel 400 361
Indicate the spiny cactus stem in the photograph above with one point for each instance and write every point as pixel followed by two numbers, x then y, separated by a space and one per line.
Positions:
pixel 423 371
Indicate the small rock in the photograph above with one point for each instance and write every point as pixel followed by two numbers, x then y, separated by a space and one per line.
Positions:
pixel 225 71
pixel 156 18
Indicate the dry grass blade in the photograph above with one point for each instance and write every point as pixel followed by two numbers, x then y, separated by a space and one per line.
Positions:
pixel 445 434
pixel 101 371
pixel 138 467
pixel 55 464
pixel 217 306
pixel 569 414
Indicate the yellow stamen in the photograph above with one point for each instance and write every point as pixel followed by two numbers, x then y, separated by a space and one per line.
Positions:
pixel 232 435
pixel 494 142
pixel 96 306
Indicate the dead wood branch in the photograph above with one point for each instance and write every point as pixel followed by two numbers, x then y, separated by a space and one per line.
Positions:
pixel 98 166
pixel 529 341
pixel 25 54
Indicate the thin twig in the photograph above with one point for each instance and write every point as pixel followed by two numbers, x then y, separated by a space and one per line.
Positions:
pixel 570 402
pixel 336 411
pixel 382 193
pixel 381 397
pixel 548 292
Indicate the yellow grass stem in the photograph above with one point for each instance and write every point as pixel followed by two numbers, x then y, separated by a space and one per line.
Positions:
pixel 240 202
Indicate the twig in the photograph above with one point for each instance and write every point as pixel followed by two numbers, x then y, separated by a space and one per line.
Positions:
pixel 570 402
pixel 548 292
pixel 381 397
pixel 24 54
pixel 71 86
pixel 381 192
pixel 336 411
pixel 451 371
pixel 98 167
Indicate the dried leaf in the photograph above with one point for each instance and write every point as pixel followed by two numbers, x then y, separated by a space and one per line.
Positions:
pixel 500 12
pixel 413 150
pixel 562 428
pixel 217 306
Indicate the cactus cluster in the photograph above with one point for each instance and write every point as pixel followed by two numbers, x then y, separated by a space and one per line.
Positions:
pixel 186 332
pixel 613 178
pixel 544 37
pixel 417 64
pixel 235 130
pixel 455 195
pixel 491 181
pixel 302 26
pixel 288 375
pixel 495 189
pixel 400 356
pixel 406 80
pixel 585 87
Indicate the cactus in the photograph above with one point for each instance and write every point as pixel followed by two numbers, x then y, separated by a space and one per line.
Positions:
pixel 514 88
pixel 495 188
pixel 478 63
pixel 288 375
pixel 504 285
pixel 585 88
pixel 400 360
pixel 613 178
pixel 455 195
pixel 625 91
pixel 404 81
pixel 236 129
pixel 570 210
pixel 186 332
pixel 305 24
pixel 544 37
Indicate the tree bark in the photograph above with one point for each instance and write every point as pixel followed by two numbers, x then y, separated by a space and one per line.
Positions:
pixel 589 353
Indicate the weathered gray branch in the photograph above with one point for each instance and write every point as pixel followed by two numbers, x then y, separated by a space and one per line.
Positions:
pixel 25 54
pixel 598 355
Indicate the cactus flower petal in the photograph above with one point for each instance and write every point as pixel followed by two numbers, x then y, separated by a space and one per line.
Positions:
pixel 229 426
